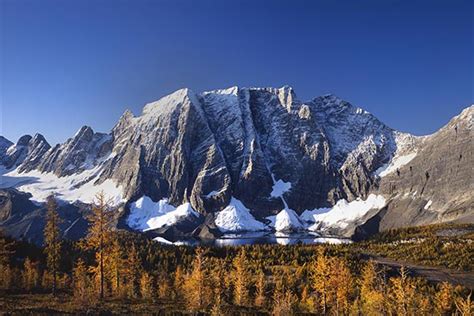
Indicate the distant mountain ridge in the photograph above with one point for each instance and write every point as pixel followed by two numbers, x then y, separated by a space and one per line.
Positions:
pixel 241 145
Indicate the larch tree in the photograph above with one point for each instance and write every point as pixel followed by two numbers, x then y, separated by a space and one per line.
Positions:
pixel 260 293
pixel 371 292
pixel 241 278
pixel 5 254
pixel 402 292
pixel 81 283
pixel 117 263
pixel 321 278
pixel 133 268
pixel 30 274
pixel 342 285
pixel 444 299
pixel 195 283
pixel 52 240
pixel 99 234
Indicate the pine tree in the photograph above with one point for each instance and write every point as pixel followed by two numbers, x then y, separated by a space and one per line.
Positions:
pixel 52 238
pixel 99 235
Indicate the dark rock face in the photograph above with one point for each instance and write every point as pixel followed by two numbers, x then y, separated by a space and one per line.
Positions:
pixel 206 148
pixel 22 219
pixel 26 154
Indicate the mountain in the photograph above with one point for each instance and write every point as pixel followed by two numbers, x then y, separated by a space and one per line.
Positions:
pixel 246 159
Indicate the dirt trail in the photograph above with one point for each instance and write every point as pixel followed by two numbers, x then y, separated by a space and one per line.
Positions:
pixel 434 274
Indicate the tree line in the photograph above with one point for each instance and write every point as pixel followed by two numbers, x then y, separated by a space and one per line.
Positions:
pixel 279 280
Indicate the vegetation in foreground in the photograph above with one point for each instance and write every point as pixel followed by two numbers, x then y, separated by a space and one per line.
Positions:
pixel 121 272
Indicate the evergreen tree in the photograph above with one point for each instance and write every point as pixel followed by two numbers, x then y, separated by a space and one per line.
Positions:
pixel 52 239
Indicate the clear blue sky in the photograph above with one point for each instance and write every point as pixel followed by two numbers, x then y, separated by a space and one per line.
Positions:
pixel 65 64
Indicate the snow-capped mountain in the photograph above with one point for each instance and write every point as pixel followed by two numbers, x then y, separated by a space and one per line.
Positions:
pixel 239 159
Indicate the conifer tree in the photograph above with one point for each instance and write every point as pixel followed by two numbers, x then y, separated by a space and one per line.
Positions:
pixel 133 271
pixel 241 278
pixel 371 293
pixel 444 299
pixel 30 274
pixel 52 239
pixel 402 292
pixel 465 307
pixel 146 285
pixel 117 263
pixel 341 282
pixel 99 235
pixel 195 283
pixel 179 277
pixel 321 278
pixel 5 254
pixel 81 283
pixel 260 294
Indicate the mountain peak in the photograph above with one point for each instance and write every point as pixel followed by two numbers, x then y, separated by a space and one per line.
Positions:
pixel 177 97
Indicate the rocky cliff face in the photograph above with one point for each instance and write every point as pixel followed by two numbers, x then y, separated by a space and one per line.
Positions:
pixel 263 147
pixel 437 185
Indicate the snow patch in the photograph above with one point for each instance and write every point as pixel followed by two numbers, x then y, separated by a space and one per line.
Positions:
pixel 280 187
pixel 76 187
pixel 396 163
pixel 286 220
pixel 345 212
pixel 428 204
pixel 236 217
pixel 146 214
pixel 309 215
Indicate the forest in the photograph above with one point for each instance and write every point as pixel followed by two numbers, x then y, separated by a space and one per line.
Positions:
pixel 120 272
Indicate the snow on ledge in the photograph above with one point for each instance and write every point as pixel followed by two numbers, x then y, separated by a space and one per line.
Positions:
pixel 428 204
pixel 396 163
pixel 237 218
pixel 344 213
pixel 280 187
pixel 146 214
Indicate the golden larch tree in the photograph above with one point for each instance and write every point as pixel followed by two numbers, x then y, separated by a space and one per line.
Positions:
pixel 98 236
pixel 241 278
pixel 52 241
pixel 195 288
